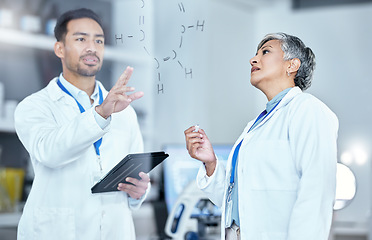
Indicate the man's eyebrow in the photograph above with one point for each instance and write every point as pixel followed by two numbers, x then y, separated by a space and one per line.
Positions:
pixel 80 33
pixel 86 34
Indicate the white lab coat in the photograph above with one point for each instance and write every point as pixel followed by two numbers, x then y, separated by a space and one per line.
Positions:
pixel 286 172
pixel 60 141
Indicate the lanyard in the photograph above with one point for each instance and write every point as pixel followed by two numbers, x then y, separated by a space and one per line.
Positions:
pixel 236 151
pixel 98 143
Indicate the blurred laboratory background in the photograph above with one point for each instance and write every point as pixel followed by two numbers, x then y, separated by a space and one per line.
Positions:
pixel 191 58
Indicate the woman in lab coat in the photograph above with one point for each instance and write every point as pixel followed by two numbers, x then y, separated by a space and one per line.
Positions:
pixel 280 185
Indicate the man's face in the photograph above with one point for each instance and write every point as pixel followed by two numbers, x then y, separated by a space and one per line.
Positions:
pixel 83 47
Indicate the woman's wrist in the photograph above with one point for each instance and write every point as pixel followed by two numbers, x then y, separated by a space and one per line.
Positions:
pixel 210 167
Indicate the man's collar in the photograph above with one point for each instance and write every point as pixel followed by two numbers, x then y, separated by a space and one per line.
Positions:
pixel 76 91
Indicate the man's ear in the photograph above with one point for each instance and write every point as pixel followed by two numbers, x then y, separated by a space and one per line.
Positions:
pixel 59 49
pixel 295 65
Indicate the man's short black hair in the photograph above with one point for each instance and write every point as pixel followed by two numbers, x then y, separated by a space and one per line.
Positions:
pixel 60 29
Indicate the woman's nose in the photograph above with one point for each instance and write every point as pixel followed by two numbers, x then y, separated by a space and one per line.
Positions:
pixel 253 60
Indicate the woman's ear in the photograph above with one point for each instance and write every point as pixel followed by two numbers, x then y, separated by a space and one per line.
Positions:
pixel 59 49
pixel 295 65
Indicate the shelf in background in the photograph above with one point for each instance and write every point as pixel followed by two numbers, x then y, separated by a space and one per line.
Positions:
pixel 44 42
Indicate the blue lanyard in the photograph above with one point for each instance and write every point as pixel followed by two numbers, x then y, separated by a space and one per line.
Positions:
pixel 98 143
pixel 236 151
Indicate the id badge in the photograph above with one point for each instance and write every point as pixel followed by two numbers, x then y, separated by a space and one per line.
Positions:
pixel 228 212
pixel 228 206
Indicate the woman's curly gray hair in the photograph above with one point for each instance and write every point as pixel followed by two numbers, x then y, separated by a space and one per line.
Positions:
pixel 293 47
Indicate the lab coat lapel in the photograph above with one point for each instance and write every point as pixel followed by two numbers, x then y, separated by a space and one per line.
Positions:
pixel 286 99
pixel 57 94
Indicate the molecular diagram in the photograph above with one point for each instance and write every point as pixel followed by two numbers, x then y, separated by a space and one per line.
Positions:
pixel 173 55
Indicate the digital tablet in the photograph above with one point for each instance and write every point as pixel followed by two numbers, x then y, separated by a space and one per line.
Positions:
pixel 130 166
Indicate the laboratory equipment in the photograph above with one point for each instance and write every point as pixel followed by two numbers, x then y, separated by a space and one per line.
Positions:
pixel 194 216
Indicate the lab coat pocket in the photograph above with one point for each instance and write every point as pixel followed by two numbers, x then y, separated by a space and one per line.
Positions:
pixel 54 223
pixel 274 236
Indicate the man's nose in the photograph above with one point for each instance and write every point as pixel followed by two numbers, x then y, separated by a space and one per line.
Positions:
pixel 91 46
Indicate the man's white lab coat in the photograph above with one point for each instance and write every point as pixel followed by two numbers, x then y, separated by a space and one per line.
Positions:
pixel 286 172
pixel 60 141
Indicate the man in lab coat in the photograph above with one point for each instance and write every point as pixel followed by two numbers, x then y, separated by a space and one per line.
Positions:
pixel 75 131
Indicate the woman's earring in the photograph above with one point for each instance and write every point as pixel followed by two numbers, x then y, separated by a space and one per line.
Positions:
pixel 288 74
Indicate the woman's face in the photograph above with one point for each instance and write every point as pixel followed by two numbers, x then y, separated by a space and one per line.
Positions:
pixel 268 66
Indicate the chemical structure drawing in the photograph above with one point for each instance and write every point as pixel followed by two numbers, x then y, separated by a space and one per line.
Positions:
pixel 174 54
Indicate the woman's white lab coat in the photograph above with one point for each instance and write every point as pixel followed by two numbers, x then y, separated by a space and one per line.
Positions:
pixel 60 142
pixel 286 172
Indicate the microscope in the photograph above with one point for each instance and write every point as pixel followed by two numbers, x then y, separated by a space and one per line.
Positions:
pixel 194 216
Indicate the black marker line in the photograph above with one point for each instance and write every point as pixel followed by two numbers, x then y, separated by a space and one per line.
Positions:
pixel 181 42
pixel 144 36
pixel 146 51
pixel 182 9
pixel 143 20
pixel 157 63
pixel 180 64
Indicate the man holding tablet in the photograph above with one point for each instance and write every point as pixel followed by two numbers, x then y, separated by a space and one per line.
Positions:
pixel 75 132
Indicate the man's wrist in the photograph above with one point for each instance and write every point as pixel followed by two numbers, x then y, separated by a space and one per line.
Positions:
pixel 100 112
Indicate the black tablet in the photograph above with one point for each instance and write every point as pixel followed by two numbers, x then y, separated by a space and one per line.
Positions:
pixel 130 166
